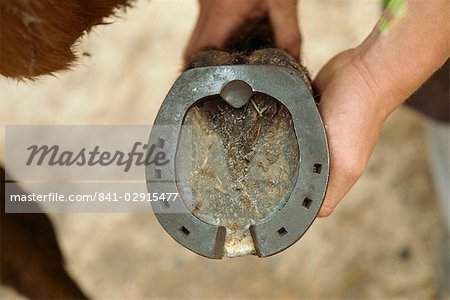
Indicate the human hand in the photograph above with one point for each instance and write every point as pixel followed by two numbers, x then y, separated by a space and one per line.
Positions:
pixel 353 118
pixel 360 87
pixel 219 19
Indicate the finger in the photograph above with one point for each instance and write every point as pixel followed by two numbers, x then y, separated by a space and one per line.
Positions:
pixel 347 148
pixel 218 19
pixel 350 141
pixel 211 33
pixel 284 20
pixel 338 185
pixel 343 173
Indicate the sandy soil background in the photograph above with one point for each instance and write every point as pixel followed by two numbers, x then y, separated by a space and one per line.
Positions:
pixel 380 243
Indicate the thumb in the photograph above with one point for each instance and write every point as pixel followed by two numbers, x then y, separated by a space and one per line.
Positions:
pixel 284 21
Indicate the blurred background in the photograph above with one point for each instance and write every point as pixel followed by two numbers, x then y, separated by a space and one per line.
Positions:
pixel 382 242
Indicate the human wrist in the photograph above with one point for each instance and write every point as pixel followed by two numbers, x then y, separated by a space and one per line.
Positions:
pixel 371 93
pixel 399 60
